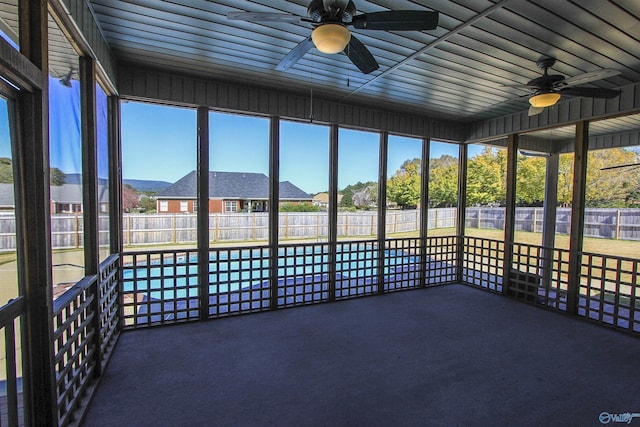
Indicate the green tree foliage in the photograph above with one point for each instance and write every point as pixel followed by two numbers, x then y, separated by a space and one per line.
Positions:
pixel 147 204
pixel 530 181
pixel 349 191
pixel 57 177
pixel 611 187
pixel 6 170
pixel 486 178
pixel 403 187
pixel 299 207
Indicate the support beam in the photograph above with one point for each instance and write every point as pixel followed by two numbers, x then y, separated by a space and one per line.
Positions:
pixel 577 214
pixel 549 221
pixel 461 214
pixel 89 139
pixel 90 210
pixel 333 209
pixel 274 209
pixel 115 175
pixel 382 206
pixel 510 210
pixel 203 211
pixel 33 204
pixel 424 207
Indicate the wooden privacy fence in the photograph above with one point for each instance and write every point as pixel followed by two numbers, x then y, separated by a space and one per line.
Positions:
pixel 623 224
pixel 152 229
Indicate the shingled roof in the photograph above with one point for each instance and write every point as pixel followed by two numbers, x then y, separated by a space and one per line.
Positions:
pixel 232 185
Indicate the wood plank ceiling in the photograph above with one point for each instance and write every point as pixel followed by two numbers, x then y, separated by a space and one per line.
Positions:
pixel 454 72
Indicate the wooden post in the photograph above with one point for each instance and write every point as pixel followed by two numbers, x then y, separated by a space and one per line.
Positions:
pixel 576 234
pixel 91 242
pixel 382 207
pixel 202 216
pixel 116 235
pixel 174 225
pixel 549 217
pixel 510 210
pixel 424 208
pixel 274 208
pixel 618 225
pixel 31 176
pixel 332 237
pixel 461 209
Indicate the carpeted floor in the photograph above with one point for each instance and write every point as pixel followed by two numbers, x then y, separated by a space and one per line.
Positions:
pixel 444 356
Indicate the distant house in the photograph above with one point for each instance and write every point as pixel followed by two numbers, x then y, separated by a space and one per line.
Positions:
pixel 228 192
pixel 322 199
pixel 65 199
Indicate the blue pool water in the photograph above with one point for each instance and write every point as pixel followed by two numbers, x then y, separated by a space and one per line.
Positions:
pixel 231 271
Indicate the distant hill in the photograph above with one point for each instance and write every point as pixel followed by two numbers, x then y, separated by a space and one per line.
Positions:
pixel 136 184
pixel 146 185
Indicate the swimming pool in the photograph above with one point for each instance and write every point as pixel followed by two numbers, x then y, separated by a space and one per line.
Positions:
pixel 238 270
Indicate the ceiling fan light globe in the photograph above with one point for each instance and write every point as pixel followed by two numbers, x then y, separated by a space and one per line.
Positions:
pixel 544 99
pixel 331 38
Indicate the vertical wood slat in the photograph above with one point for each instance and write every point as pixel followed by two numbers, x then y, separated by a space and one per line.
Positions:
pixel 333 209
pixel 461 208
pixel 90 193
pixel 274 210
pixel 424 207
pixel 10 370
pixel 203 211
pixel 577 214
pixel 32 201
pixel 510 210
pixel 115 175
pixel 382 207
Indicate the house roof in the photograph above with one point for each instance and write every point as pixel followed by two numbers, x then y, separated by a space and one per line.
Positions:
pixel 232 185
pixel 66 193
pixel 6 195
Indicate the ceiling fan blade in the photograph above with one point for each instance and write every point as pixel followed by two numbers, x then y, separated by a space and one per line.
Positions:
pixel 295 54
pixel 264 17
pixel 590 92
pixel 360 56
pixel 534 111
pixel 591 76
pixel 520 86
pixel 397 20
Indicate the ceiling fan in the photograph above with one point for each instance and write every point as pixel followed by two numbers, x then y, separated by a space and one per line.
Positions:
pixel 330 19
pixel 549 88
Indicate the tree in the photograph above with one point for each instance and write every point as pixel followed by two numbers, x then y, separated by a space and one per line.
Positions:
pixel 530 181
pixel 57 177
pixel 130 199
pixel 403 187
pixel 350 190
pixel 443 186
pixel 486 178
pixel 6 170
pixel 610 187
pixel 147 204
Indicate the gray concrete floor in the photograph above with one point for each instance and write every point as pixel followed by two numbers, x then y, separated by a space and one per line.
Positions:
pixel 444 356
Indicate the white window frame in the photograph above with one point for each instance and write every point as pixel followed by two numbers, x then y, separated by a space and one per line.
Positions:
pixel 163 206
pixel 231 206
pixel 184 206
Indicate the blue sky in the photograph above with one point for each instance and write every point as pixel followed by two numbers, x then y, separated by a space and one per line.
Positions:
pixel 159 143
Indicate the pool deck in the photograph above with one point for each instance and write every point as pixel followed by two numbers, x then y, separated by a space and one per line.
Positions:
pixel 449 355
